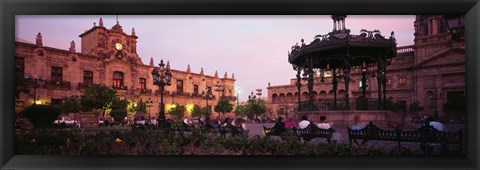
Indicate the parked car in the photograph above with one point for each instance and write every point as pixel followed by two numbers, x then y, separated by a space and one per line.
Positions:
pixel 67 121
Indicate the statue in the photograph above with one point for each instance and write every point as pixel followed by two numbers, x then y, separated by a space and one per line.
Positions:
pixel 39 39
pixel 72 46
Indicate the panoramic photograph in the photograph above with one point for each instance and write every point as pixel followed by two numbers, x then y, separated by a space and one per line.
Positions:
pixel 327 85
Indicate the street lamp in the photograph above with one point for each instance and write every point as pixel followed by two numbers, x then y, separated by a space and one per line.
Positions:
pixel 237 90
pixel 434 96
pixel 162 79
pixel 37 82
pixel 259 93
pixel 454 25
pixel 207 96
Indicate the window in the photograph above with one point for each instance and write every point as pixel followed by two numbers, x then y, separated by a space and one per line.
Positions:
pixel 424 28
pixel 143 83
pixel 195 89
pixel 20 67
pixel 117 80
pixel 179 86
pixel 57 75
pixel 87 78
pixel 402 82
pixel 442 26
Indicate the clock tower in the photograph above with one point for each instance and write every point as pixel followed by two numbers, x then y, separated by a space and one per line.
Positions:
pixel 110 44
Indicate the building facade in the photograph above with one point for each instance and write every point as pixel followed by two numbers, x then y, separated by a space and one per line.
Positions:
pixel 431 71
pixel 109 57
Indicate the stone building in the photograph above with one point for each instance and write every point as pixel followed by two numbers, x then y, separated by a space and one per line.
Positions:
pixel 435 62
pixel 109 57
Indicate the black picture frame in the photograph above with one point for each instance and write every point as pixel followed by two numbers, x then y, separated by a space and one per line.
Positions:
pixel 10 8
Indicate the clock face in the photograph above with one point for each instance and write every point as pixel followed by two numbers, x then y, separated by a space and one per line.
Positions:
pixel 118 46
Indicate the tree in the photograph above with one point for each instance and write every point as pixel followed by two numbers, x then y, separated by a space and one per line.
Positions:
pixel 280 111
pixel 240 110
pixel 415 108
pixel 98 97
pixel 41 116
pixel 72 105
pixel 177 112
pixel 223 106
pixel 197 111
pixel 118 114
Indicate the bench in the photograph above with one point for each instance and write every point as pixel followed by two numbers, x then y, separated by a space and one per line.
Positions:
pixel 424 135
pixel 233 130
pixel 307 134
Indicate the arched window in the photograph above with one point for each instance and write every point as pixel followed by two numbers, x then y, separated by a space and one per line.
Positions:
pixel 117 80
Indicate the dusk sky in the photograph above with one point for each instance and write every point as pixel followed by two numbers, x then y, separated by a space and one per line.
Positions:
pixel 254 48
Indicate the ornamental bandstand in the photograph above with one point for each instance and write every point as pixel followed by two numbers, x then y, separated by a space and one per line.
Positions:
pixel 338 53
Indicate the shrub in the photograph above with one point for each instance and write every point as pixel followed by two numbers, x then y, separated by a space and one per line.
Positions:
pixel 118 115
pixel 41 116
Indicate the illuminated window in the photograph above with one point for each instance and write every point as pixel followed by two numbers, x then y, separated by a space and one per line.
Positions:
pixel 402 82
pixel 143 83
pixel 117 80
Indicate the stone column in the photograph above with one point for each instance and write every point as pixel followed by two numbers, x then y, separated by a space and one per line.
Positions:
pixel 335 85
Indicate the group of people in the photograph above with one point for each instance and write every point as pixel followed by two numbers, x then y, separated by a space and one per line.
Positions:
pixel 212 123
pixel 281 123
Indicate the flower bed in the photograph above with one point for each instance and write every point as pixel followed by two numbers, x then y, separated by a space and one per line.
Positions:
pixel 156 142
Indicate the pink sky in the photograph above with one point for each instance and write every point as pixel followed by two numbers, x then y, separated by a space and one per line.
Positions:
pixel 253 47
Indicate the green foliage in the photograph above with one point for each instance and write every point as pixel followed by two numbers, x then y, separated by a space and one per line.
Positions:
pixel 223 106
pixel 414 108
pixel 120 104
pixel 177 112
pixel 97 97
pixel 281 111
pixel 71 105
pixel 156 142
pixel 255 107
pixel 41 116
pixel 118 114
pixel 197 111
pixel 240 110
pixel 395 106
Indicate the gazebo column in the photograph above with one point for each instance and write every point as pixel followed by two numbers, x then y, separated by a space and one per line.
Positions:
pixel 346 76
pixel 299 85
pixel 384 84
pixel 379 85
pixel 310 86
pixel 335 85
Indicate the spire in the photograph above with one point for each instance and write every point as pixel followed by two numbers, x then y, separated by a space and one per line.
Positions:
pixel 225 75
pixel 151 61
pixel 168 64
pixel 201 71
pixel 72 46
pixel 233 76
pixel 100 23
pixel 39 39
pixel 268 84
pixel 94 24
pixel 216 74
pixel 188 69
pixel 133 31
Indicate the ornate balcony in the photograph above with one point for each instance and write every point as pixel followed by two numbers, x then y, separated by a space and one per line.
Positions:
pixel 57 85
pixel 84 85
pixel 145 91
pixel 120 88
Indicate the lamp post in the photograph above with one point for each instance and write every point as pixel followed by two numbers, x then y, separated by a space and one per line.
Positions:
pixel 237 90
pixel 455 26
pixel 162 79
pixel 207 96
pixel 37 82
pixel 435 95
pixel 259 93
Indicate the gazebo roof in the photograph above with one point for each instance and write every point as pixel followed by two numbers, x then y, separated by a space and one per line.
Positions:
pixel 338 45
